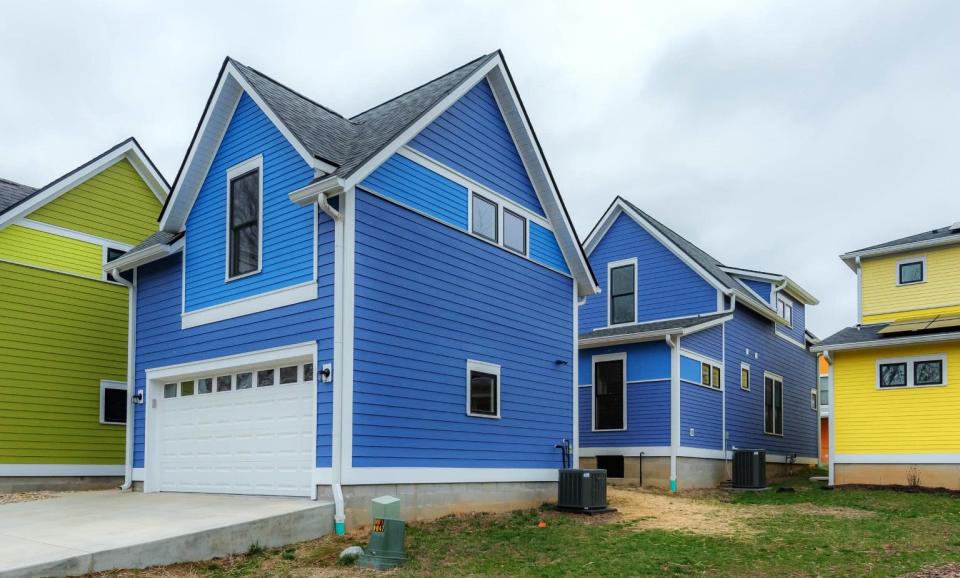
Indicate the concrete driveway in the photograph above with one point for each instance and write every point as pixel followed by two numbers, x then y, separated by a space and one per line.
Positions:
pixel 73 534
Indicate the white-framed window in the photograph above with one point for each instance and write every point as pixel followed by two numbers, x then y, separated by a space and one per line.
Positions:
pixel 745 376
pixel 912 270
pixel 814 404
pixel 622 291
pixel 711 375
pixel 113 402
pixel 917 371
pixel 244 219
pixel 499 222
pixel 610 392
pixel 772 404
pixel 824 386
pixel 483 389
pixel 785 309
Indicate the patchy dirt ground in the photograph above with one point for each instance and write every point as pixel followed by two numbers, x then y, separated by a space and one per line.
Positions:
pixel 17 497
pixel 949 571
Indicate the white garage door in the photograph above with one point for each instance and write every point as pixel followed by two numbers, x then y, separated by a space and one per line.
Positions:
pixel 245 432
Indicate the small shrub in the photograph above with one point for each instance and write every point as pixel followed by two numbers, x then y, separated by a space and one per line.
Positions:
pixel 255 549
pixel 348 560
pixel 913 477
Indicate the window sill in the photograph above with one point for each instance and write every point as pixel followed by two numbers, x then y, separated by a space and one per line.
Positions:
pixel 608 430
pixel 902 387
pixel 244 276
pixel 484 416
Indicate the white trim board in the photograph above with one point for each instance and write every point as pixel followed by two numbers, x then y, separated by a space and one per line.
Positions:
pixel 248 305
pixel 128 150
pixel 44 470
pixel 275 355
pixel 896 458
pixel 71 234
pixel 378 476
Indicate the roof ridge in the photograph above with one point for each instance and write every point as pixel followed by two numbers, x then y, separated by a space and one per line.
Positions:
pixel 401 95
pixel 287 88
pixel 9 182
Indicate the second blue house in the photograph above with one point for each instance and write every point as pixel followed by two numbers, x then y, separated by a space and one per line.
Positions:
pixel 683 359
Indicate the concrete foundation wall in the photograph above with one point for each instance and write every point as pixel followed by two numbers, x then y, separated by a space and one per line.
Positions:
pixel 692 473
pixel 927 475
pixel 58 483
pixel 430 501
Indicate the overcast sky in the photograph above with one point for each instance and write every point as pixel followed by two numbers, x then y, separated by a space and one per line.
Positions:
pixel 775 135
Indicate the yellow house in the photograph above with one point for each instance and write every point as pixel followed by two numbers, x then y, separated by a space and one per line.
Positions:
pixel 895 376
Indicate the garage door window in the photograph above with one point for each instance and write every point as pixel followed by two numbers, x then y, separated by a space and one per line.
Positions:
pixel 288 374
pixel 264 378
pixel 186 388
pixel 224 383
pixel 205 385
pixel 244 380
pixel 169 390
pixel 308 372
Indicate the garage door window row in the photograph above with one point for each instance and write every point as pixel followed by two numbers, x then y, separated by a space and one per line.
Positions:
pixel 243 380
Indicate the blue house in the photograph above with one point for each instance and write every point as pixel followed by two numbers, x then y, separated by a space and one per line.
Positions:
pixel 683 359
pixel 342 307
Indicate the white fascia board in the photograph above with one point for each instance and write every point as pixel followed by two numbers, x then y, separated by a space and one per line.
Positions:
pixel 283 354
pixel 248 305
pixel 364 476
pixel 309 194
pixel 592 342
pixel 230 86
pixel 888 342
pixel 850 258
pixel 71 234
pixel 126 150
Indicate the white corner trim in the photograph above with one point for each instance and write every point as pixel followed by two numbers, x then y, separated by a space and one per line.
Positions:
pixel 575 370
pixel 139 474
pixel 45 470
pixel 896 458
pixel 275 355
pixel 364 476
pixel 249 305
pixel 322 476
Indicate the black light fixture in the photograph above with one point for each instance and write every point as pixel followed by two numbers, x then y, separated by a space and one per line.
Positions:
pixel 561 362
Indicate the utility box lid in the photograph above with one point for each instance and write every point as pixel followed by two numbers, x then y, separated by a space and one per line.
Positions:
pixel 386 507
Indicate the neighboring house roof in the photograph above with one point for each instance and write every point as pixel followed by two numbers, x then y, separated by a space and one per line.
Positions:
pixel 12 193
pixel 156 246
pixel 709 268
pixel 344 150
pixel 863 336
pixel 652 329
pixel 942 236
pixel 129 149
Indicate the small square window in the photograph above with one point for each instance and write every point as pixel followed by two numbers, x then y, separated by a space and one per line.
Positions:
pixel 205 385
pixel 514 232
pixel 244 380
pixel 186 388
pixel 893 375
pixel 928 372
pixel 910 272
pixel 308 372
pixel 169 390
pixel 288 374
pixel 484 218
pixel 483 389
pixel 265 377
pixel 113 402
pixel 224 383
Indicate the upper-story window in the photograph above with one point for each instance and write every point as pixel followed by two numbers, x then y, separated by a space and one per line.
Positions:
pixel 244 216
pixel 484 218
pixel 622 276
pixel 496 223
pixel 785 309
pixel 514 232
pixel 920 371
pixel 824 386
pixel 911 271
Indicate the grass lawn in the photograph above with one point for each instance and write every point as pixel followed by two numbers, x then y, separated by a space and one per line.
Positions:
pixel 809 532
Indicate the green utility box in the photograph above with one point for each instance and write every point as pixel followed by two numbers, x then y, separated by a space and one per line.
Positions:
pixel 385 549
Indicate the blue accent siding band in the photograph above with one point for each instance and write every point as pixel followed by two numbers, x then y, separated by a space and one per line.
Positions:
pixel 544 248
pixel 427 299
pixel 472 138
pixel 420 188
pixel 287 256
pixel 690 369
pixel 761 288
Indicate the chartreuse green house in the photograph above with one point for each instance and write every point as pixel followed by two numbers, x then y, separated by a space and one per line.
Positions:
pixel 64 322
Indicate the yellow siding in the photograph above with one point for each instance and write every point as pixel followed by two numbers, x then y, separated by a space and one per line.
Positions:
pixel 115 204
pixel 884 300
pixel 891 421
pixel 42 249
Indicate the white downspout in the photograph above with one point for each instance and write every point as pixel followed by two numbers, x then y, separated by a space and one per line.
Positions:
pixel 674 342
pixel 859 293
pixel 831 423
pixel 339 517
pixel 131 385
pixel 723 396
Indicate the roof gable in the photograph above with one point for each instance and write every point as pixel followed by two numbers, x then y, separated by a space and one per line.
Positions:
pixel 128 150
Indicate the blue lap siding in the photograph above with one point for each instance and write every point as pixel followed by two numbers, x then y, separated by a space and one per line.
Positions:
pixel 161 341
pixel 419 188
pixel 544 248
pixel 700 410
pixel 287 256
pixel 666 286
pixel 428 298
pixel 472 138
pixel 761 288
pixel 708 342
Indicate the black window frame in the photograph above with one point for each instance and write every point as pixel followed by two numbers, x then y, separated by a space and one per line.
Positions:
pixel 597 426
pixel 776 413
pixel 632 294
pixel 906 371
pixel 234 229
pixel 902 265
pixel 787 313
pixel 918 362
pixel 496 218
pixel 523 221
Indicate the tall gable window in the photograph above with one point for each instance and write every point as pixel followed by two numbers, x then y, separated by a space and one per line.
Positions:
pixel 622 276
pixel 244 215
pixel 772 404
pixel 785 309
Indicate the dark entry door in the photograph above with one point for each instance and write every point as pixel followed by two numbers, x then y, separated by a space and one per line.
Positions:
pixel 608 390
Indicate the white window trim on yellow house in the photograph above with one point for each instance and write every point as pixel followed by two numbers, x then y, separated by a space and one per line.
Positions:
pixel 922 259
pixel 911 361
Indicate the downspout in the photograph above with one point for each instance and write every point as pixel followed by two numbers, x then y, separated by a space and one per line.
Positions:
pixel 723 396
pixel 131 386
pixel 831 448
pixel 674 342
pixel 859 293
pixel 336 488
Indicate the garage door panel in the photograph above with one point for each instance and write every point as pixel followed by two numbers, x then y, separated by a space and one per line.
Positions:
pixel 251 441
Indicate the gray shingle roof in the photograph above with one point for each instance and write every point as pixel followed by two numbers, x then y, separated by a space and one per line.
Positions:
pixel 158 238
pixel 867 333
pixel 653 326
pixel 12 193
pixel 348 143
pixel 940 233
